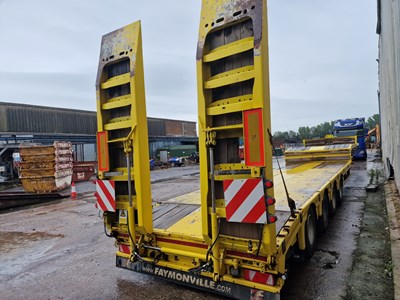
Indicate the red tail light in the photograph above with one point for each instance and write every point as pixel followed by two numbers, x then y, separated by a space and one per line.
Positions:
pixel 270 201
pixel 272 219
pixel 269 184
pixel 263 278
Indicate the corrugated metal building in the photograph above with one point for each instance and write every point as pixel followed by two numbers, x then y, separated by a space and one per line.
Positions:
pixel 388 28
pixel 171 128
pixel 32 119
pixel 166 133
pixel 46 124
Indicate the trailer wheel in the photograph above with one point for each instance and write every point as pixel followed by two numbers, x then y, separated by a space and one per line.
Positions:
pixel 310 233
pixel 339 193
pixel 323 220
pixel 333 204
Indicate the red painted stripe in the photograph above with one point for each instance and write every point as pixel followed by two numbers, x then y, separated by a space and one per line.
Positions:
pixel 190 244
pixel 101 204
pixel 112 182
pixel 113 203
pixel 227 183
pixel 106 192
pixel 240 196
pixel 256 212
pixel 124 248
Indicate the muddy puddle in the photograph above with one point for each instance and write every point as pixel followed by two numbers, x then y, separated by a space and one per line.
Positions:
pixel 20 249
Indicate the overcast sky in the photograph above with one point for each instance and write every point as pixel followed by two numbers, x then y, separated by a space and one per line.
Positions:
pixel 322 55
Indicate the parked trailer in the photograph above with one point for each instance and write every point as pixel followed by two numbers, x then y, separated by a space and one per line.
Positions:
pixel 235 237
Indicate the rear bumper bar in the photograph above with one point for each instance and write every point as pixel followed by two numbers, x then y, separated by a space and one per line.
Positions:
pixel 226 289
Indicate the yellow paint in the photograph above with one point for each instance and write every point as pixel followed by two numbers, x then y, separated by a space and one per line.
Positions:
pixel 117 102
pixel 190 198
pixel 230 77
pixel 186 242
pixel 115 81
pixel 229 49
pixel 304 167
pixel 230 105
pixel 118 123
pixel 189 226
pixel 258 97
pixel 125 45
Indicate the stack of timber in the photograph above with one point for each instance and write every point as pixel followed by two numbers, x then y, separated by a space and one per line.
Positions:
pixel 45 169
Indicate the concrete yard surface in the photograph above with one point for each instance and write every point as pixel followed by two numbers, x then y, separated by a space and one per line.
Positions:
pixel 58 250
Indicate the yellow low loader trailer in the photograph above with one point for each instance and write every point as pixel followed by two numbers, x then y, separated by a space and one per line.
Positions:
pixel 235 236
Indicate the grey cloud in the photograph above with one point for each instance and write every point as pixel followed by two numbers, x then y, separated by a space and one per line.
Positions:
pixel 322 55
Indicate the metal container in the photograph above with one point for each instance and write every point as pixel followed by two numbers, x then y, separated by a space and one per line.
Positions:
pixel 83 171
pixel 45 169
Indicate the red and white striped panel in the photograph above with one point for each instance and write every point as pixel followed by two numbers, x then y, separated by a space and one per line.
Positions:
pixel 244 200
pixel 124 249
pixel 105 193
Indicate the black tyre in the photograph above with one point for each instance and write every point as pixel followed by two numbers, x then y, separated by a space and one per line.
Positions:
pixel 310 233
pixel 339 193
pixel 333 204
pixel 323 220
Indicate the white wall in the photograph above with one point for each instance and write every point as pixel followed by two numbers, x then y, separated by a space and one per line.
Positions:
pixel 389 83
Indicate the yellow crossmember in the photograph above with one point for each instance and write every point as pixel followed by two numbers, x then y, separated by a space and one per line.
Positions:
pixel 229 49
pixel 230 77
pixel 230 105
pixel 117 80
pixel 118 123
pixel 227 127
pixel 117 102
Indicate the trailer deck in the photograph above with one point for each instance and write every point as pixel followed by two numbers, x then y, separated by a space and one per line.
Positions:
pixel 181 215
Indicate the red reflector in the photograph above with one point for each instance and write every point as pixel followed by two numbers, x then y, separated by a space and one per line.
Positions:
pixel 263 278
pixel 270 201
pixel 272 219
pixel 269 184
pixel 124 249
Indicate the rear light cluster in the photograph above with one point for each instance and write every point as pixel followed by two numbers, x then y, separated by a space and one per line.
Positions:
pixel 268 184
pixel 258 277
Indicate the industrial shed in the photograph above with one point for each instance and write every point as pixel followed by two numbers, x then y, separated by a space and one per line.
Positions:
pixel 166 133
pixel 388 28
pixel 22 119
pixel 41 124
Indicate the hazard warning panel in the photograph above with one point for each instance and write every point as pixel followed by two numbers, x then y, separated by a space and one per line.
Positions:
pixel 244 200
pixel 105 194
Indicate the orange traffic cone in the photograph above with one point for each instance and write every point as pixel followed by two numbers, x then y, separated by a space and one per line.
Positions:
pixel 73 191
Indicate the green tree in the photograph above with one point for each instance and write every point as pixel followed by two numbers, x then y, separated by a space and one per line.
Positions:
pixel 320 130
pixel 305 132
pixel 372 121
